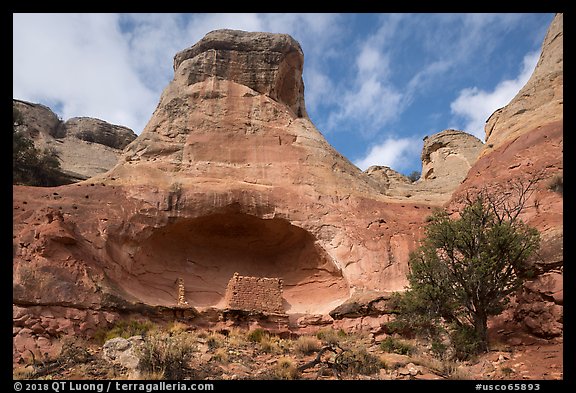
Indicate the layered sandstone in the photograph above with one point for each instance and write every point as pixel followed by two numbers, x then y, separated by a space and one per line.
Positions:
pixel 85 146
pixel 269 64
pixel 244 182
pixel 540 101
pixel 448 156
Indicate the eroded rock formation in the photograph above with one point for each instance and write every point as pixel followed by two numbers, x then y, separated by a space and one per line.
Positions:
pixel 85 146
pixel 231 176
pixel 446 159
pixel 228 176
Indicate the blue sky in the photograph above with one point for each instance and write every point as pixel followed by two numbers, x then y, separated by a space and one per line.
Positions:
pixel 375 84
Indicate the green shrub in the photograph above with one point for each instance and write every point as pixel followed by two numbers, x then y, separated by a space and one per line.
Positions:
pixel 390 344
pixel 413 176
pixel 257 334
pixel 124 329
pixel 466 342
pixel 438 348
pixel 467 267
pixel 330 336
pixel 32 166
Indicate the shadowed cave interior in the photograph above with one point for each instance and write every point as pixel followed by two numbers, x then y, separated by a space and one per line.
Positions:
pixel 206 251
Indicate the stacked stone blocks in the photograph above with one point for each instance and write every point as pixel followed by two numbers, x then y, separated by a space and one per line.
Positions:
pixel 260 294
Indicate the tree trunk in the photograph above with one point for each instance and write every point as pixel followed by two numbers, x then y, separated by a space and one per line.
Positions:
pixel 481 329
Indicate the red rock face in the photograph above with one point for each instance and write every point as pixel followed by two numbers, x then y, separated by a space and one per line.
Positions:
pixel 231 176
pixel 228 176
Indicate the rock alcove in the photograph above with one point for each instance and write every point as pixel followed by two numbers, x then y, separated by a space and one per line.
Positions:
pixel 206 251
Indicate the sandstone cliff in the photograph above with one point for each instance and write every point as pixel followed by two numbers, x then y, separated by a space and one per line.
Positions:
pixel 85 146
pixel 230 176
pixel 540 101
pixel 524 140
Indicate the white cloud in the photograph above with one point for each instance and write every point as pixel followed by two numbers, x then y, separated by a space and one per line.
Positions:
pixel 396 153
pixel 370 60
pixel 370 101
pixel 114 66
pixel 319 88
pixel 475 105
pixel 81 63
pixel 369 107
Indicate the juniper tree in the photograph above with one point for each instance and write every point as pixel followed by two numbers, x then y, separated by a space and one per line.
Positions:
pixel 467 267
pixel 32 166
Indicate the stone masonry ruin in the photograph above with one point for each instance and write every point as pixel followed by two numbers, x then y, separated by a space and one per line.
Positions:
pixel 262 294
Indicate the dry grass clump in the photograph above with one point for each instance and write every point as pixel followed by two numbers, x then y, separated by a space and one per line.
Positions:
pixel 221 356
pixel 556 184
pixel 307 345
pixel 270 344
pixel 177 327
pixel 285 369
pixel 257 335
pixel 166 355
pixel 22 372
pixel 458 373
pixel 359 361
pixel 236 338
pixel 330 336
pixel 449 369
pixel 215 340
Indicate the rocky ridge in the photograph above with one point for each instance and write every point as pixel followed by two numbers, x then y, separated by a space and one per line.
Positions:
pixel 85 146
pixel 446 159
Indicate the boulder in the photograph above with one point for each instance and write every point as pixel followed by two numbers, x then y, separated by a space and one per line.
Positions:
pixel 361 304
pixel 122 351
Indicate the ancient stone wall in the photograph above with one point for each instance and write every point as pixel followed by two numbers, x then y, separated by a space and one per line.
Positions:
pixel 254 294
